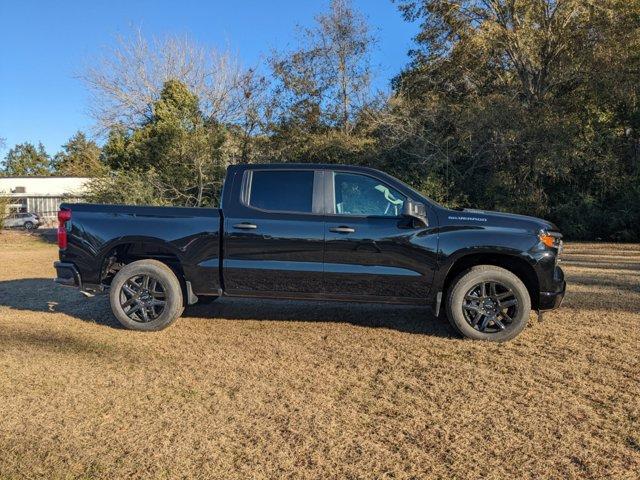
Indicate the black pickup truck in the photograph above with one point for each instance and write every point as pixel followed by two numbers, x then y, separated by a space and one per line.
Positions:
pixel 324 232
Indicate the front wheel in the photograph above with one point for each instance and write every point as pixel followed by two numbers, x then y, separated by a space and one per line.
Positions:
pixel 29 225
pixel 488 303
pixel 146 295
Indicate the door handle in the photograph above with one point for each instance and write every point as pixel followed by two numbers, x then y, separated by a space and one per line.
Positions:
pixel 245 226
pixel 342 229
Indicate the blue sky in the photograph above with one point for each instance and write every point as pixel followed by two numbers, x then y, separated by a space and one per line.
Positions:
pixel 43 45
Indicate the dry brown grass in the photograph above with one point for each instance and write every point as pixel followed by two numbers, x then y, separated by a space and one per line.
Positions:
pixel 244 389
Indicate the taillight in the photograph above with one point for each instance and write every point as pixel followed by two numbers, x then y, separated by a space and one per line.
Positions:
pixel 63 217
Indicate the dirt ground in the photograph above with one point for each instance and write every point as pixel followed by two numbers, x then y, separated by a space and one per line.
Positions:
pixel 247 389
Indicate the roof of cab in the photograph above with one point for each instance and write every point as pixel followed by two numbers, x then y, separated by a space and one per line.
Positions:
pixel 302 166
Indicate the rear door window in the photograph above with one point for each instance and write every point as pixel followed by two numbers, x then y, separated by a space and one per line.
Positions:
pixel 282 190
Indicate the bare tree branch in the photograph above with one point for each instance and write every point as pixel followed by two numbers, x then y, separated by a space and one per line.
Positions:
pixel 126 81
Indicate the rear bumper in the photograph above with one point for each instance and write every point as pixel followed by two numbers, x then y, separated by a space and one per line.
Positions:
pixel 553 299
pixel 67 274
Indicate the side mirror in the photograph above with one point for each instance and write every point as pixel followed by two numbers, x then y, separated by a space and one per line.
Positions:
pixel 415 210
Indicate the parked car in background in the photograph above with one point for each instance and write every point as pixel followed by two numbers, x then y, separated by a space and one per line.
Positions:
pixel 28 221
pixel 302 231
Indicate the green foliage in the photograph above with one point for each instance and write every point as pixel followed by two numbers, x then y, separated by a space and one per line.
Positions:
pixel 323 83
pixel 27 159
pixel 4 203
pixel 79 157
pixel 178 144
pixel 332 146
pixel 528 106
pixel 124 187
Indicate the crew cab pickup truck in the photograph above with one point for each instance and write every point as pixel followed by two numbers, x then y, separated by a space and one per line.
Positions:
pixel 321 232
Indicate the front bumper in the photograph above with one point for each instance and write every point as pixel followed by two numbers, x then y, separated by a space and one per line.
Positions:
pixel 67 274
pixel 553 299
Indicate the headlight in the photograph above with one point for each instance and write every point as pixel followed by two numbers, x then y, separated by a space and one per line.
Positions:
pixel 551 239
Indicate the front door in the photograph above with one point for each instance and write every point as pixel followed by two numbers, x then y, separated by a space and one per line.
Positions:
pixel 274 233
pixel 372 252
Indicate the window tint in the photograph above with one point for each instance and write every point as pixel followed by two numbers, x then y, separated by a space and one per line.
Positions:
pixel 282 190
pixel 363 195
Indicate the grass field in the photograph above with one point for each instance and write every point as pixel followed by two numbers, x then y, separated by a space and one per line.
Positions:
pixel 246 389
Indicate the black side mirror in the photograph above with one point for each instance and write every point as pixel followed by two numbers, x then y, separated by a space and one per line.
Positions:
pixel 415 210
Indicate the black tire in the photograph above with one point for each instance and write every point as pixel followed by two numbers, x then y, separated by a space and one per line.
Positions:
pixel 146 305
pixel 29 225
pixel 488 303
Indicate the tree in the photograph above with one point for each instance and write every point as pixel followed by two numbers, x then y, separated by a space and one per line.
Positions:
pixel 326 81
pixel 245 135
pixel 177 144
pixel 529 105
pixel 27 159
pixel 186 146
pixel 131 187
pixel 535 49
pixel 126 82
pixel 79 157
pixel 4 203
pixel 320 91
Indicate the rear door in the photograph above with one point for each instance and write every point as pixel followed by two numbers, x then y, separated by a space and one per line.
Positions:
pixel 11 221
pixel 274 233
pixel 372 252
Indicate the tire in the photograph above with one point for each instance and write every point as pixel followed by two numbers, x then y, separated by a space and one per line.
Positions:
pixel 498 313
pixel 146 305
pixel 28 225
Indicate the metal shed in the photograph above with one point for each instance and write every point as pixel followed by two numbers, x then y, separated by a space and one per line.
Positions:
pixel 41 195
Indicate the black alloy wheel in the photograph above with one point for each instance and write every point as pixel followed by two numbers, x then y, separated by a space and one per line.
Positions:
pixel 487 302
pixel 142 298
pixel 490 307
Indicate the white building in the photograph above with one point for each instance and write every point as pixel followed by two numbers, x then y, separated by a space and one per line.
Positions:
pixel 41 195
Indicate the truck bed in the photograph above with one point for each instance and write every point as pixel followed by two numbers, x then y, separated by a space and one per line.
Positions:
pixel 191 236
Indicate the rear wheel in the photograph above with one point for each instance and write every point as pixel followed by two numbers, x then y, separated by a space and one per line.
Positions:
pixel 488 303
pixel 146 295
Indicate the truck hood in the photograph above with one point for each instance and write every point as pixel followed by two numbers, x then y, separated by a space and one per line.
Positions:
pixel 486 218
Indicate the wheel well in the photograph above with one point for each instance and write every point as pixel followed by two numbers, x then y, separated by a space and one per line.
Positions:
pixel 126 253
pixel 515 265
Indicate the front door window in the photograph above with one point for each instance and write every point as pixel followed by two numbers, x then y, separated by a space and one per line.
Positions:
pixel 361 195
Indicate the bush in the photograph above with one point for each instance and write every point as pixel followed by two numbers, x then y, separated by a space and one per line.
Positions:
pixel 125 187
